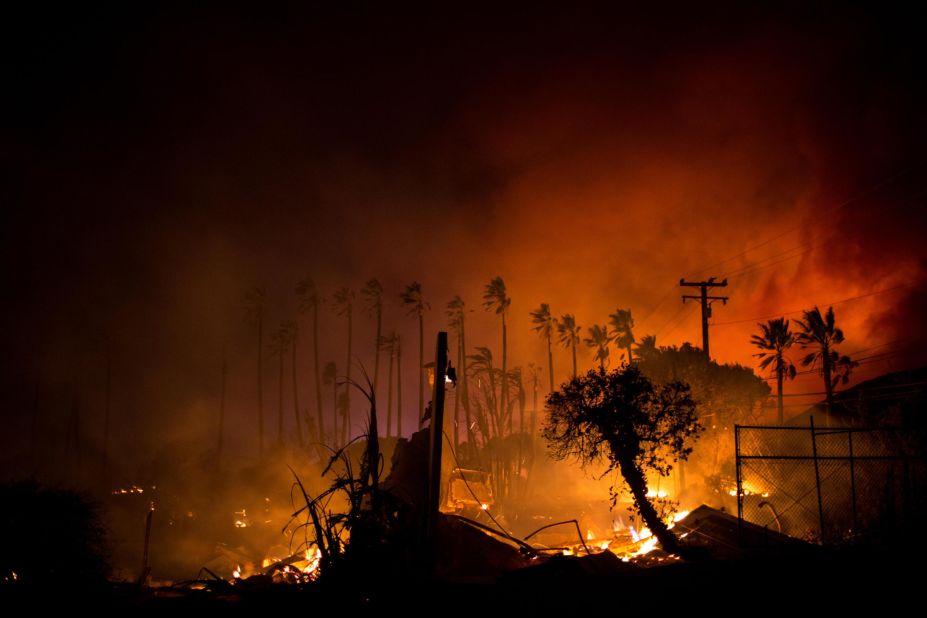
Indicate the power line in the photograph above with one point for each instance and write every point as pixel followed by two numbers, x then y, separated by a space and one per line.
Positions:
pixel 831 304
pixel 845 203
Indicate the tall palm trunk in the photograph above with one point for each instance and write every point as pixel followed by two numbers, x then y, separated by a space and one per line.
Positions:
pixel 465 393
pixel 421 368
pixel 221 411
pixel 389 391
pixel 106 408
pixel 280 405
pixel 779 376
pixel 828 383
pixel 376 349
pixel 299 427
pixel 398 386
pixel 505 376
pixel 550 362
pixel 345 433
pixel 260 385
pixel 573 346
pixel 318 373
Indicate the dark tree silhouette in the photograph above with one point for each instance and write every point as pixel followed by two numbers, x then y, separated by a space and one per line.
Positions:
pixel 621 417
pixel 622 333
pixel 821 334
pixel 254 313
pixel 412 298
pixel 544 325
pixel 496 299
pixel 774 340
pixel 598 339
pixel 309 300
pixel 647 347
pixel 568 332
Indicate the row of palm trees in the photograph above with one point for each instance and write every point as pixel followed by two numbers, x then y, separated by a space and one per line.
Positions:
pixel 819 335
pixel 490 410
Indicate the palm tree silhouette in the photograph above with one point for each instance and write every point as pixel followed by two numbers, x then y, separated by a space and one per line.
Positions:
pixel 387 343
pixel 412 298
pixel 774 340
pixel 568 333
pixel 495 298
pixel 373 294
pixel 821 334
pixel 254 314
pixel 544 325
pixel 455 313
pixel 647 348
pixel 599 339
pixel 621 333
pixel 309 300
pixel 343 303
pixel 280 341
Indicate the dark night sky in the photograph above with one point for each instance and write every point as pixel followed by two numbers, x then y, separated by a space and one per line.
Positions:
pixel 159 164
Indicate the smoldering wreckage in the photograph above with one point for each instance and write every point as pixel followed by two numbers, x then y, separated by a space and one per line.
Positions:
pixel 430 533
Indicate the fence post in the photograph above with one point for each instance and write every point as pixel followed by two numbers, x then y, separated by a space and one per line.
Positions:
pixel 817 477
pixel 739 480
pixel 852 481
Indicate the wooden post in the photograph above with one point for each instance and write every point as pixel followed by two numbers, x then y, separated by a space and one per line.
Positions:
pixel 437 435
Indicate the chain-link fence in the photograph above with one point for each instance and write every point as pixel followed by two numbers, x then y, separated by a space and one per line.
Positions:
pixel 827 485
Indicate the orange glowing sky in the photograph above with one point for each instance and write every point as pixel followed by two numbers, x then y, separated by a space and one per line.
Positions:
pixel 590 161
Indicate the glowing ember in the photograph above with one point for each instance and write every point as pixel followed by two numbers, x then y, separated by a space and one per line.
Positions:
pixel 134 489
pixel 241 519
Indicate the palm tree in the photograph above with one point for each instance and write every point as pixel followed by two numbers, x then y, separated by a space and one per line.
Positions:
pixel 495 298
pixel 280 341
pixel 343 303
pixel 647 348
pixel 622 324
pixel 775 339
pixel 373 294
pixel 568 333
pixel 821 333
pixel 455 313
pixel 486 410
pixel 387 343
pixel 544 325
pixel 309 299
pixel 412 298
pixel 254 313
pixel 598 338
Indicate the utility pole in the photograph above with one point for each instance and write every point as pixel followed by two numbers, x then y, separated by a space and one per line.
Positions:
pixel 706 301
